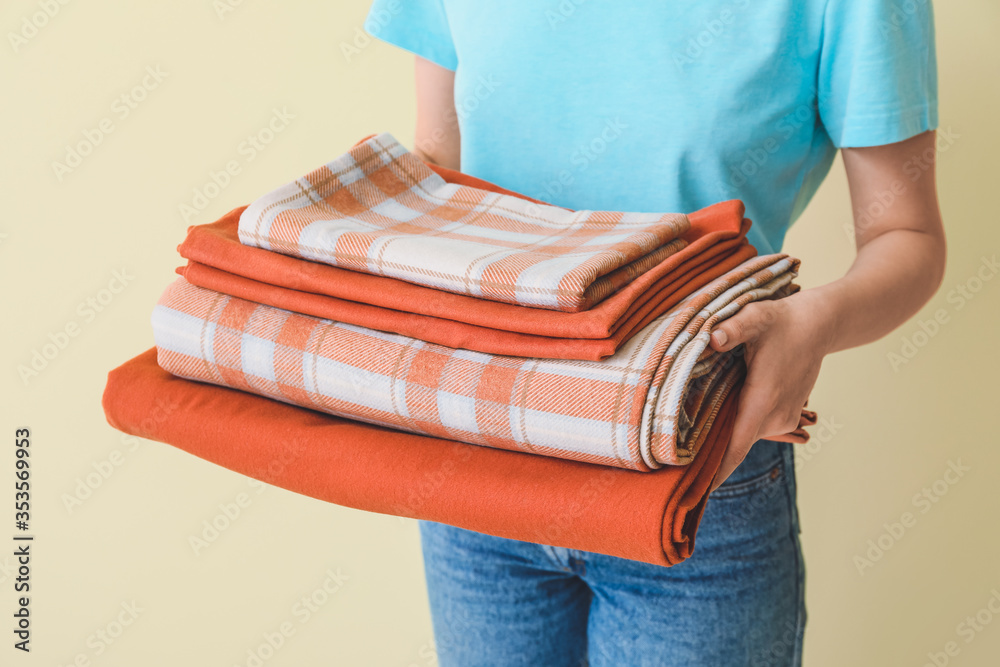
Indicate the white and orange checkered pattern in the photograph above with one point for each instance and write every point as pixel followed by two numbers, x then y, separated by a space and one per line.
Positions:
pixel 650 404
pixel 379 209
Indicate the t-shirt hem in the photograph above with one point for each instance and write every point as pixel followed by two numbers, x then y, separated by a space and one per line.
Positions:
pixel 878 130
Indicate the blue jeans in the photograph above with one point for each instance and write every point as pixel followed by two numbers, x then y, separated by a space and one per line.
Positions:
pixel 739 600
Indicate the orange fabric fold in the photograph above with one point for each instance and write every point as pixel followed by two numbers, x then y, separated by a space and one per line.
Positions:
pixel 716 243
pixel 645 516
pixel 672 288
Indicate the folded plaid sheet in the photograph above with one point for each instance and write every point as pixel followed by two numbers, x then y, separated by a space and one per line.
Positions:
pixel 379 209
pixel 714 244
pixel 650 404
pixel 650 517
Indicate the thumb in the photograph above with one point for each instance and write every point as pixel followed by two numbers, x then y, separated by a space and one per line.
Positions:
pixel 742 327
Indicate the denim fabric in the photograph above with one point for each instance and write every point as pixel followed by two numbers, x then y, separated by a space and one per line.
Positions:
pixel 739 600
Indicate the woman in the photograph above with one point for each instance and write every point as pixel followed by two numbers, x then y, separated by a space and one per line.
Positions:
pixel 657 106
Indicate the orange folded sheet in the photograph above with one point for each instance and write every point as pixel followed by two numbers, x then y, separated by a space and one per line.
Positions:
pixel 689 276
pixel 645 516
pixel 218 261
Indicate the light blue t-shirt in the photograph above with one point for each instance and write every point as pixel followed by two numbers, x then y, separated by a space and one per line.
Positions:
pixel 672 106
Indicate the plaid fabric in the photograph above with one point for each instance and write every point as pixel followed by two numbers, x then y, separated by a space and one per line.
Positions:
pixel 650 404
pixel 379 209
pixel 716 231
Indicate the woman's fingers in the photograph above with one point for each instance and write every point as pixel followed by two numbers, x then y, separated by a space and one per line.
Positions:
pixel 782 364
pixel 743 327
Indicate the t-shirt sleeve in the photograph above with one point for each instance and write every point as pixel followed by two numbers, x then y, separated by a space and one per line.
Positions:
pixel 877 71
pixel 419 26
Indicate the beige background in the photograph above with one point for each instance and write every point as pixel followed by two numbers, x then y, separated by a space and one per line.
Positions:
pixel 894 430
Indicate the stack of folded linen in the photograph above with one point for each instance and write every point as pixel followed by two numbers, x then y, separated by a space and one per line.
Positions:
pixel 390 293
pixel 713 244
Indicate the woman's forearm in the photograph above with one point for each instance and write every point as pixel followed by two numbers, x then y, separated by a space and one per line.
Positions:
pixel 892 277
pixel 900 239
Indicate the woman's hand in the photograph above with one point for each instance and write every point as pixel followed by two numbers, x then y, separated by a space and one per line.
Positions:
pixel 785 341
pixel 899 265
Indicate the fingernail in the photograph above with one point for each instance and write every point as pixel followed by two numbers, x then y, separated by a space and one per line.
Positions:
pixel 720 337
